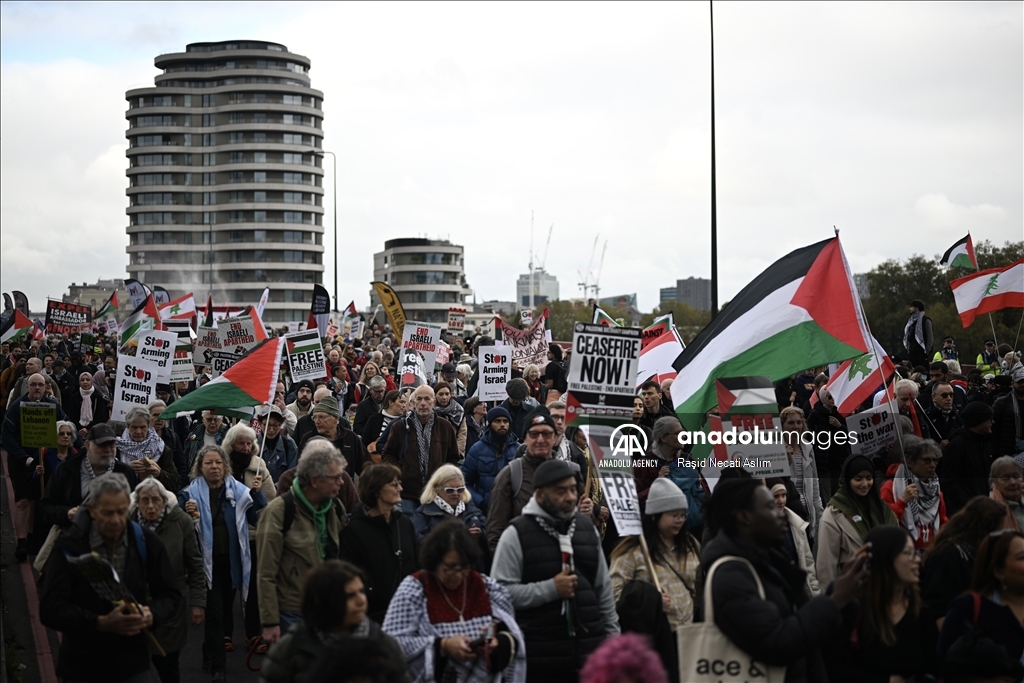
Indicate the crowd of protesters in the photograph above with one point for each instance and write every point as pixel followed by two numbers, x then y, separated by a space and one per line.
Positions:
pixel 380 532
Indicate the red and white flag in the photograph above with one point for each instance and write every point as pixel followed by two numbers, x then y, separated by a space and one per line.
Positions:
pixel 988 291
pixel 182 308
pixel 657 358
pixel 857 380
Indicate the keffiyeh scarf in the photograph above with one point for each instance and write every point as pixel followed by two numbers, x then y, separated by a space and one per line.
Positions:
pixel 423 441
pixel 151 447
pixel 237 496
pixel 443 504
pixel 921 512
pixel 145 523
pixel 917 323
pixel 88 474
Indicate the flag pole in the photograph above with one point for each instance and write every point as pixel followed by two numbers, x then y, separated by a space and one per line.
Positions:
pixel 992 323
pixel 714 189
pixel 1017 338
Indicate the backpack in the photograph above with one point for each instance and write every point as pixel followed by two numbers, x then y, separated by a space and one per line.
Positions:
pixel 289 512
pixel 140 543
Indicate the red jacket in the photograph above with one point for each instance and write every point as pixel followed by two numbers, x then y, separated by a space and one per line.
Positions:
pixel 927 534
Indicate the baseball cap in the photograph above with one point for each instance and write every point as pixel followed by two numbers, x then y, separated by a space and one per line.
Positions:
pixel 101 433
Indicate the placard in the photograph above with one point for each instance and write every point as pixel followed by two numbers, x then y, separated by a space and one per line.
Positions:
pixel 444 354
pixel 305 355
pixel 207 342
pixel 616 472
pixel 236 336
pixel 38 424
pixel 424 339
pixel 410 369
pixel 65 318
pixel 526 317
pixel 181 365
pixel 456 320
pixel 158 346
pixel 528 346
pixel 602 371
pixel 495 366
pixel 134 385
pixel 748 431
pixel 875 430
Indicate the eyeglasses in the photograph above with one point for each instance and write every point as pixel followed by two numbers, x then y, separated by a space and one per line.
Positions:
pixel 544 434
pixel 338 478
pixel 452 490
pixel 945 394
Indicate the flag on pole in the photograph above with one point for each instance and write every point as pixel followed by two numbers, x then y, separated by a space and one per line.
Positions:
pixel 392 306
pixel 319 310
pixel 802 311
pixel 182 308
pixel 208 320
pixel 251 381
pixel 109 309
pixel 602 318
pixel 39 330
pixel 259 329
pixel 264 298
pixel 145 317
pixel 348 316
pixel 988 291
pixel 657 357
pixel 17 327
pixel 961 254
pixel 659 327
pixel 161 295
pixel 857 380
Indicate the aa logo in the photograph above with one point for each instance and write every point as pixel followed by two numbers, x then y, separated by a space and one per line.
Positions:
pixel 628 440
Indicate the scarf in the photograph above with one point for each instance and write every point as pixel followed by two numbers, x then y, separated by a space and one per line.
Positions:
pixel 88 474
pixel 85 417
pixel 916 321
pixel 423 440
pixel 319 517
pixel 562 450
pixel 921 512
pixel 145 523
pixel 238 497
pixel 99 381
pixel 453 412
pixel 362 630
pixel 151 447
pixel 565 546
pixel 865 512
pixel 454 512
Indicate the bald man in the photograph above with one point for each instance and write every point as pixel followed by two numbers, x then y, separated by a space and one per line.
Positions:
pixel 418 445
pixel 33 366
pixel 21 460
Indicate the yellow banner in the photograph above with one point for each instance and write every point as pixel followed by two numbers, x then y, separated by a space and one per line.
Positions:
pixel 392 306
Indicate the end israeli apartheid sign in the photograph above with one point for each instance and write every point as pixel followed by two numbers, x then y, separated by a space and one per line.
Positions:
pixel 158 346
pixel 38 424
pixel 134 384
pixel 207 342
pixel 495 372
pixel 422 338
pixel 181 365
pixel 65 318
pixel 305 355
pixel 602 372
pixel 236 336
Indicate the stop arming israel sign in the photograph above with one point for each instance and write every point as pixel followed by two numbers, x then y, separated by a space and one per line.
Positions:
pixel 135 384
pixel 158 346
pixel 495 372
pixel 305 355
pixel 602 372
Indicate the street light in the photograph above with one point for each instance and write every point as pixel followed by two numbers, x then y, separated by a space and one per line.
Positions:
pixel 334 173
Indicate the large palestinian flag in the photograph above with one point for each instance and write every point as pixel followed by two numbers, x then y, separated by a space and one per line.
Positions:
pixel 961 254
pixel 801 312
pixel 988 291
pixel 251 381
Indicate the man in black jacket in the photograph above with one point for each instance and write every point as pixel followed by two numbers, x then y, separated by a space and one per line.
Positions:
pixel 965 463
pixel 371 404
pixel 943 415
pixel 1008 412
pixel 104 642
pixel 654 407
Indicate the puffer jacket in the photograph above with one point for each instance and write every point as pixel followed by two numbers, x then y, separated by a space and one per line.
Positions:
pixel 483 462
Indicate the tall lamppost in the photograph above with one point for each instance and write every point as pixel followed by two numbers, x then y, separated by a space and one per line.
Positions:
pixel 334 173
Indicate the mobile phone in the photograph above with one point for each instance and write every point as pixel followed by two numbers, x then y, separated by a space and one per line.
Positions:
pixel 483 639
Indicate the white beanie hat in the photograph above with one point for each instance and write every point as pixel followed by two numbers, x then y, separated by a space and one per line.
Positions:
pixel 665 496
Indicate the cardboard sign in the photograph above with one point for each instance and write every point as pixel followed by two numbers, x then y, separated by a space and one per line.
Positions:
pixel 495 366
pixel 748 433
pixel 295 326
pixel 158 346
pixel 444 354
pixel 207 342
pixel 38 425
pixel 528 346
pixel 875 429
pixel 602 372
pixel 305 355
pixel 65 318
pixel 236 336
pixel 424 339
pixel 616 472
pixel 134 384
pixel 181 364
pixel 456 320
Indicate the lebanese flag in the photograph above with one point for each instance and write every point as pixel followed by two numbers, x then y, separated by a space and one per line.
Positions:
pixel 857 380
pixel 801 312
pixel 659 327
pixel 988 291
pixel 961 254
pixel 602 318
pixel 657 357
pixel 182 308
pixel 17 326
pixel 249 382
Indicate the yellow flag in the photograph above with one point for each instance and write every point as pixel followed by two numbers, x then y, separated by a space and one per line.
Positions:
pixel 392 306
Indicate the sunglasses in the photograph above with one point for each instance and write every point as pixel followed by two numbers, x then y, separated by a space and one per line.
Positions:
pixel 452 490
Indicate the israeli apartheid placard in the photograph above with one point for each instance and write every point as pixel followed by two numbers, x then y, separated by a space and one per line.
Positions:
pixel 181 364
pixel 134 384
pixel 305 355
pixel 874 430
pixel 158 346
pixel 602 371
pixel 528 346
pixel 207 343
pixel 38 424
pixel 236 336
pixel 424 339
pixel 65 318
pixel 495 372
pixel 456 320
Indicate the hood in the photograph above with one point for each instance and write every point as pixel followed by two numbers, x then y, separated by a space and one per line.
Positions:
pixel 890 471
pixel 487 436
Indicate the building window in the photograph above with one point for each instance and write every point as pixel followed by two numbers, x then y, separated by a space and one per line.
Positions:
pixel 260 276
pixel 152 218
pixel 293 178
pixel 236 197
pixel 259 236
pixel 292 216
pixel 291 256
pixel 188 139
pixel 209 198
pixel 237 157
pixel 259 255
pixel 209 218
pixel 259 196
pixel 152 160
pixel 187 101
pixel 291 158
pixel 153 179
pixel 236 177
pixel 292 139
pixel 293 236
pixel 209 159
pixel 236 217
pixel 259 217
pixel 292 197
pixel 259 177
pixel 259 157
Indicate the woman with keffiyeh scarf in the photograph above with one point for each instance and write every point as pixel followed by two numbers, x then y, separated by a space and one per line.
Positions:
pixel 445 497
pixel 913 491
pixel 850 515
pixel 144 451
pixel 451 410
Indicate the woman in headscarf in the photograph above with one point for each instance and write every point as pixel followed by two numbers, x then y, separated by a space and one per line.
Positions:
pixel 144 451
pixel 87 406
pixel 224 508
pixel 452 622
pixel 850 516
pixel 476 420
pixel 155 508
pixel 451 410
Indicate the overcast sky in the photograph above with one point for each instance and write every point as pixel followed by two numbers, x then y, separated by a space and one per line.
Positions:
pixel 901 124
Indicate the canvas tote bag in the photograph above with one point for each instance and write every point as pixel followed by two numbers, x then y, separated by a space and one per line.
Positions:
pixel 707 656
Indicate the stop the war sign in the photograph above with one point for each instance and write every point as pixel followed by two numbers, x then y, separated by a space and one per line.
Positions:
pixel 875 429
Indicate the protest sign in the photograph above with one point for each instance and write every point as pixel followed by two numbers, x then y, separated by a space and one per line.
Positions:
pixel 158 346
pixel 38 425
pixel 612 443
pixel 444 353
pixel 874 429
pixel 423 338
pixel 528 346
pixel 134 384
pixel 495 372
pixel 410 369
pixel 295 326
pixel 181 364
pixel 207 342
pixel 602 371
pixel 305 355
pixel 236 336
pixel 456 320
pixel 526 317
pixel 65 318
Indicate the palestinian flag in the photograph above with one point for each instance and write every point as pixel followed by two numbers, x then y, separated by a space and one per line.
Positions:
pixel 657 357
pixel 602 318
pixel 659 327
pixel 209 321
pixel 109 309
pixel 182 308
pixel 348 316
pixel 18 327
pixel 259 329
pixel 857 380
pixel 145 317
pixel 989 290
pixel 304 342
pixel 961 254
pixel 801 312
pixel 249 382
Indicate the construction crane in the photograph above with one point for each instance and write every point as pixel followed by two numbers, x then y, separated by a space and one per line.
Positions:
pixel 585 281
pixel 596 287
pixel 546 247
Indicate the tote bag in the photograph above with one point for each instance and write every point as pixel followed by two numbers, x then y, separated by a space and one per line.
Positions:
pixel 707 656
